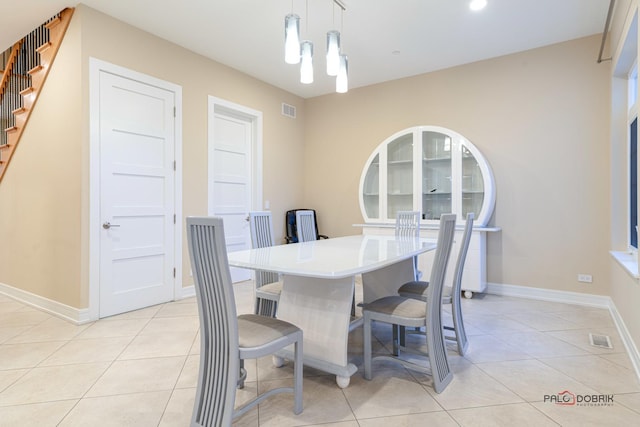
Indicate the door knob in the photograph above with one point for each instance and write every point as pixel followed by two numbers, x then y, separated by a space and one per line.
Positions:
pixel 107 225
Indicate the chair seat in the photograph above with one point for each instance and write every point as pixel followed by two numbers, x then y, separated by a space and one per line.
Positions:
pixel 418 289
pixel 256 330
pixel 398 306
pixel 270 290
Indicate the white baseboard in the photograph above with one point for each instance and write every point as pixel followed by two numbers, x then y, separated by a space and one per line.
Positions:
pixel 74 315
pixel 576 298
pixel 186 292
pixel 630 345
pixel 566 297
pixel 78 316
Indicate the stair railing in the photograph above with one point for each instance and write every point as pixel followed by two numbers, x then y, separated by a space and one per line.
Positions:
pixel 16 77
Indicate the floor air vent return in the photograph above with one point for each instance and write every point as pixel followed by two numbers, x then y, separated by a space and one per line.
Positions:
pixel 602 341
pixel 288 110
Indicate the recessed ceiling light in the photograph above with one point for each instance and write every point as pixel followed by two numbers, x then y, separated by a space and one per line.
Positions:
pixel 477 4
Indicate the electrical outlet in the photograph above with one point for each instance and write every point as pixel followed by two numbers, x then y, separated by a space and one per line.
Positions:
pixel 585 278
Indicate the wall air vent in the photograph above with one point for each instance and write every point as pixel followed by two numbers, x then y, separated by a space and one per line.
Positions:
pixel 288 110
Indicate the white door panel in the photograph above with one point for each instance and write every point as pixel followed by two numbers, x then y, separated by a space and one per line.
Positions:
pixel 137 192
pixel 233 139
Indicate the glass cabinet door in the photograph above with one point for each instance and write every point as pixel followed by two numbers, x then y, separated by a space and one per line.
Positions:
pixel 427 168
pixel 472 184
pixel 371 191
pixel 436 175
pixel 400 175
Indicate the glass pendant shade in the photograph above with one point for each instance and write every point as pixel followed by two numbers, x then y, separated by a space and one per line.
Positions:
pixel 333 52
pixel 306 66
pixel 292 39
pixel 342 80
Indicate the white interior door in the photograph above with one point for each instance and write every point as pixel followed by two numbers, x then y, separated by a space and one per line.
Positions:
pixel 233 136
pixel 137 191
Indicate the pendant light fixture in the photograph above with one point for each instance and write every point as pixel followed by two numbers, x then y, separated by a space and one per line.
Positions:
pixel 306 64
pixel 292 39
pixel 333 52
pixel 342 80
pixel 302 52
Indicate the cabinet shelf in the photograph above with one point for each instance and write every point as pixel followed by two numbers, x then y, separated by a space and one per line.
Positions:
pixel 436 159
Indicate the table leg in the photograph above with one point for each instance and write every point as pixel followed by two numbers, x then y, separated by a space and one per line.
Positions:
pixel 321 308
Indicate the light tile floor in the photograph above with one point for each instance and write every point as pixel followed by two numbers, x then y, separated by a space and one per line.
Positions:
pixel 140 369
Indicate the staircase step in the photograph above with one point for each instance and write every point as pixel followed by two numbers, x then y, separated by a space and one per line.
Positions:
pixel 35 69
pixel 54 22
pixel 11 129
pixel 44 47
pixel 27 91
pixel 5 146
pixel 55 29
pixel 37 74
pixel 19 111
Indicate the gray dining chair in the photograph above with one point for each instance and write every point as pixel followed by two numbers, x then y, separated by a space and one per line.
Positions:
pixel 408 226
pixel 306 226
pixel 397 311
pixel 226 339
pixel 268 284
pixel 451 295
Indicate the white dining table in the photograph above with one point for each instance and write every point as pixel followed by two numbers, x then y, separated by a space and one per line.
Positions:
pixel 319 284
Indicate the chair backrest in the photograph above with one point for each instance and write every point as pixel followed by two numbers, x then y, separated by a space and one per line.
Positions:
pixel 261 228
pixel 219 361
pixel 462 256
pixel 407 224
pixel 306 226
pixel 435 338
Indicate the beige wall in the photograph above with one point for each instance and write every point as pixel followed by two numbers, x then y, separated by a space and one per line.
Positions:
pixel 40 193
pixel 539 117
pixel 43 249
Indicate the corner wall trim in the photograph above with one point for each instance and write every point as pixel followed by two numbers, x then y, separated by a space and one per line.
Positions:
pixel 589 300
pixel 74 315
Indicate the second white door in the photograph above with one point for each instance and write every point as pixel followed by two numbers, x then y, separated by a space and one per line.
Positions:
pixel 233 136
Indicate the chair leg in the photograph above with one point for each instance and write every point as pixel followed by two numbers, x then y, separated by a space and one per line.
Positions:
pixel 397 340
pixel 367 347
pixel 274 308
pixel 243 375
pixel 297 375
pixel 461 335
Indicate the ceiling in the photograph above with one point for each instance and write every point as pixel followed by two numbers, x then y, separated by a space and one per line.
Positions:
pixel 384 39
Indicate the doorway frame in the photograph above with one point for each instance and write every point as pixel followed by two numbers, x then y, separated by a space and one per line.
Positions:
pixel 96 66
pixel 255 117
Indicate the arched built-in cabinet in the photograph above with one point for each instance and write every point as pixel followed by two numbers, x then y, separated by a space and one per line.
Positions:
pixel 433 170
